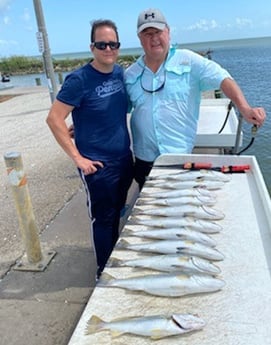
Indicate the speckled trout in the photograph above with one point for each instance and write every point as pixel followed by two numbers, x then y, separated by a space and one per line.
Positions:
pixel 167 285
pixel 148 192
pixel 173 247
pixel 169 263
pixel 192 200
pixel 154 326
pixel 185 175
pixel 205 226
pixel 172 234
pixel 209 185
pixel 200 212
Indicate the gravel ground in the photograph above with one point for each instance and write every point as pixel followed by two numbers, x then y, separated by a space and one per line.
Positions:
pixel 52 177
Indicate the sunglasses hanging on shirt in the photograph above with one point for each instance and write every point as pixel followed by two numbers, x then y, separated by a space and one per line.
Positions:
pixel 159 88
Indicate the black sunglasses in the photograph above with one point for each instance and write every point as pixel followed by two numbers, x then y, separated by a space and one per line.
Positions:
pixel 102 45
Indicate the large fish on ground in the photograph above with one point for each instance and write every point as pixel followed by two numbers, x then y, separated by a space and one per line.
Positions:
pixel 173 247
pixel 185 175
pixel 192 200
pixel 200 212
pixel 154 326
pixel 166 285
pixel 205 226
pixel 172 234
pixel 169 263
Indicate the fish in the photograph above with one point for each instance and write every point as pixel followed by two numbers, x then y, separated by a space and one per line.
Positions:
pixel 173 247
pixel 153 326
pixel 176 193
pixel 165 284
pixel 193 200
pixel 184 175
pixel 172 234
pixel 200 212
pixel 209 185
pixel 169 263
pixel 205 226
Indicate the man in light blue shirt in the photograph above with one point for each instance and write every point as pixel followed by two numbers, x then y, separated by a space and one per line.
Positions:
pixel 164 86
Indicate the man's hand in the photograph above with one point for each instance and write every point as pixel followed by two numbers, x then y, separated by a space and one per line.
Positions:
pixel 88 166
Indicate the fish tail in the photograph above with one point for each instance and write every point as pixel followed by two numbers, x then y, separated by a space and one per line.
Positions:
pixel 137 210
pixel 94 324
pixel 105 279
pixel 114 262
pixel 140 201
pixel 132 220
pixel 127 233
pixel 122 244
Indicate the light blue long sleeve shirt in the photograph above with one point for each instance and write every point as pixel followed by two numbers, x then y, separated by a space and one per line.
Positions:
pixel 166 121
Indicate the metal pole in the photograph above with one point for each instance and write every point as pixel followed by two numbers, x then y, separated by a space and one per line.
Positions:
pixel 45 50
pixel 238 134
pixel 20 191
pixel 34 260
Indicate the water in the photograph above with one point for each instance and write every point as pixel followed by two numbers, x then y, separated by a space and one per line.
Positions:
pixel 248 61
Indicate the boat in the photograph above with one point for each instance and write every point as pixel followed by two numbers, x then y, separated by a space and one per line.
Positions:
pixel 5 78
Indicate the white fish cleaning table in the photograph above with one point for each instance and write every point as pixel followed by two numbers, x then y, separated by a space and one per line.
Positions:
pixel 213 112
pixel 237 314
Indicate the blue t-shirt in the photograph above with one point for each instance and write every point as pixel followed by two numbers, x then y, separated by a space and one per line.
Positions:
pixel 100 112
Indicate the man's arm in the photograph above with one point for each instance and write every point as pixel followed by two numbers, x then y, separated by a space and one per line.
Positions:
pixel 231 89
pixel 56 121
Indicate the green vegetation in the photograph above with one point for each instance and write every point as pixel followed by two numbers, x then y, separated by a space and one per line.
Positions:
pixel 27 65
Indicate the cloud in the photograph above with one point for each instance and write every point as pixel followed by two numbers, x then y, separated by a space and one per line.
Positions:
pixel 26 15
pixel 4 5
pixel 243 22
pixel 209 25
pixel 203 25
pixel 6 20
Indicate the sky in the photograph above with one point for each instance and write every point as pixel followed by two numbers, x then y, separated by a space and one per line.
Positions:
pixel 68 22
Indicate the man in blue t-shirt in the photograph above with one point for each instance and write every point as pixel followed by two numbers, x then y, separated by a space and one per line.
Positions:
pixel 96 97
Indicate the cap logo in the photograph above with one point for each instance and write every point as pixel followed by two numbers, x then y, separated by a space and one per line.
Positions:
pixel 149 15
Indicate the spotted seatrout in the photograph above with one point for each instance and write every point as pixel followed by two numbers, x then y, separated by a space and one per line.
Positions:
pixel 166 285
pixel 169 263
pixel 209 185
pixel 155 326
pixel 166 193
pixel 200 212
pixel 173 247
pixel 185 175
pixel 192 200
pixel 205 226
pixel 172 234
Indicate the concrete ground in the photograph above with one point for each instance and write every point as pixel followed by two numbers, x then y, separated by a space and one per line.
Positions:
pixel 42 307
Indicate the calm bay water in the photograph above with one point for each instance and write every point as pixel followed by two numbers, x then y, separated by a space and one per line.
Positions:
pixel 248 61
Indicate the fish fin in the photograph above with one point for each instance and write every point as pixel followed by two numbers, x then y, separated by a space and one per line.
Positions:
pixel 115 334
pixel 114 262
pixel 105 279
pixel 94 325
pixel 156 334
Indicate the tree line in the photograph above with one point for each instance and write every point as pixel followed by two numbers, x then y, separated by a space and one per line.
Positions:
pixel 27 65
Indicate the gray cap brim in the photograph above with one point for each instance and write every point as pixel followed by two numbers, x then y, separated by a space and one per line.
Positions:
pixel 159 26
